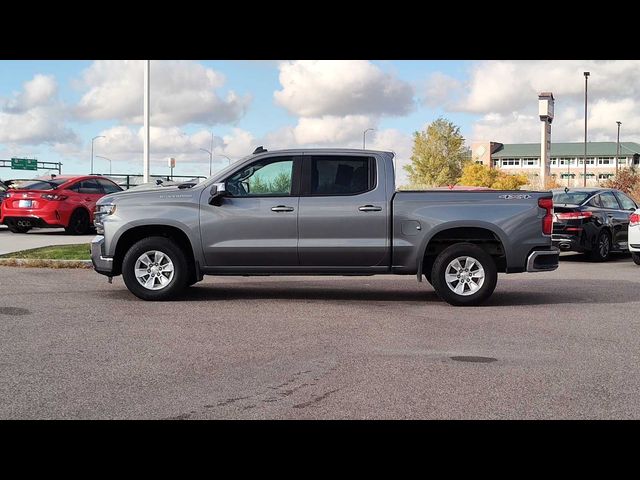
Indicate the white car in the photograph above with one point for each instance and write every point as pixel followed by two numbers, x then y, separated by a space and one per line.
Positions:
pixel 634 236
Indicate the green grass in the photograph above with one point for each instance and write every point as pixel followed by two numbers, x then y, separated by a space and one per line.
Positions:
pixel 57 252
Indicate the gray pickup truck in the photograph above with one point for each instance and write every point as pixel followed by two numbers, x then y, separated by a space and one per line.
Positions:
pixel 320 212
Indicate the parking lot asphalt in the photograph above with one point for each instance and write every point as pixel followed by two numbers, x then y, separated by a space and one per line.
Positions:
pixel 38 237
pixel 565 345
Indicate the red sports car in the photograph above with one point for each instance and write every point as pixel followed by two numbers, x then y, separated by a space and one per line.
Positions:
pixel 66 202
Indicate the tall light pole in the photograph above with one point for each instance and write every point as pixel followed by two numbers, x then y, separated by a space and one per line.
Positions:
pixel 586 79
pixel 364 137
pixel 211 154
pixel 108 160
pixel 145 160
pixel 92 140
pixel 618 147
pixel 210 158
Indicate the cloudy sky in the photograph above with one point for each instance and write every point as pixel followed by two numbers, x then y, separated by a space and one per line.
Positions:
pixel 50 110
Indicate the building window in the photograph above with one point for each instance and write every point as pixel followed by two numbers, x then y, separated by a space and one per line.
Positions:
pixel 511 162
pixel 479 162
pixel 496 163
pixel 567 161
pixel 529 162
pixel 604 176
pixel 590 161
pixel 565 175
pixel 605 160
pixel 622 160
pixel 589 175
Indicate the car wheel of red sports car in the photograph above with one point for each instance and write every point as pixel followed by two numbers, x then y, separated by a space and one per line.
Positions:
pixel 79 222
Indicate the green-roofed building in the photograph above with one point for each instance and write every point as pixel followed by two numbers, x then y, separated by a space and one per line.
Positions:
pixel 567 159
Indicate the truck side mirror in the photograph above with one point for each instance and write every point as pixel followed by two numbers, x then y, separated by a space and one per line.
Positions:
pixel 216 193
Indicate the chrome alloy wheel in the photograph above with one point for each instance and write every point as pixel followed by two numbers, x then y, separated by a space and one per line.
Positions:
pixel 464 276
pixel 154 270
pixel 604 246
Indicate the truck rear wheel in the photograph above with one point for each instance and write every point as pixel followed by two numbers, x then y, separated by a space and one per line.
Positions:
pixel 464 274
pixel 155 268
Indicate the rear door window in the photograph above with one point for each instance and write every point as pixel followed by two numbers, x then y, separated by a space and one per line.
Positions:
pixel 609 201
pixel 109 187
pixel 595 202
pixel 89 187
pixel 626 202
pixel 341 175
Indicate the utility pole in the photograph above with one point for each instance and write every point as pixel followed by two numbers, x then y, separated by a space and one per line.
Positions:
pixel 618 148
pixel 145 165
pixel 586 78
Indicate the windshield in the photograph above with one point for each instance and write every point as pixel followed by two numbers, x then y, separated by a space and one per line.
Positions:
pixel 571 197
pixel 38 184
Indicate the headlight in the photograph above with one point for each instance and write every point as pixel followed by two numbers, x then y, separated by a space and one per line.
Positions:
pixel 106 209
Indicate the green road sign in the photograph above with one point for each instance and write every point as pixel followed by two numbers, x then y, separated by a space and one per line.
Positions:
pixel 24 164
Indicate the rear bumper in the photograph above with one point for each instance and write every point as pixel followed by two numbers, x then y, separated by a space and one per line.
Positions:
pixel 30 221
pixel 101 264
pixel 568 243
pixel 543 260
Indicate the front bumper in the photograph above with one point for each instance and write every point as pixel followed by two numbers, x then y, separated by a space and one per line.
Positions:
pixel 543 260
pixel 101 264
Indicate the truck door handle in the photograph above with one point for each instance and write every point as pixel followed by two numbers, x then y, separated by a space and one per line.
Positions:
pixel 369 208
pixel 282 208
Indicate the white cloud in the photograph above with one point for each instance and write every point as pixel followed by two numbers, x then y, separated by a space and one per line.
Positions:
pixel 315 88
pixel 398 142
pixel 331 129
pixel 181 92
pixel 124 146
pixel 35 115
pixel 439 89
pixel 506 94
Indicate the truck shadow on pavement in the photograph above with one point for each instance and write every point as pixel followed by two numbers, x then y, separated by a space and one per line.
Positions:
pixel 533 292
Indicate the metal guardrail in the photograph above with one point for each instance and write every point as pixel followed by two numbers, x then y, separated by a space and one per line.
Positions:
pixel 126 180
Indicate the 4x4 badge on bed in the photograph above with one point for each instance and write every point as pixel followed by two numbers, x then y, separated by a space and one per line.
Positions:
pixel 518 196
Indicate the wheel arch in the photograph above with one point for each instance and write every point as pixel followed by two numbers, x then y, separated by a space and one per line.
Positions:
pixel 136 233
pixel 480 233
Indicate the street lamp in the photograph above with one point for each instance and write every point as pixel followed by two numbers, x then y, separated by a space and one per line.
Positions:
pixel 107 159
pixel 618 147
pixel 210 158
pixel 211 154
pixel 92 140
pixel 586 78
pixel 364 137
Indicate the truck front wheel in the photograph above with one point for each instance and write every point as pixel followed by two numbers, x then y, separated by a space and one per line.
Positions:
pixel 155 268
pixel 464 274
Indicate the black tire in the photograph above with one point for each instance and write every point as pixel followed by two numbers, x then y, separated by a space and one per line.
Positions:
pixel 636 258
pixel 17 229
pixel 441 265
pixel 78 223
pixel 168 248
pixel 602 249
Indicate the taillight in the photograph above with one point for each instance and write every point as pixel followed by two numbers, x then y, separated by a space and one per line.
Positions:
pixel 574 215
pixel 547 220
pixel 53 196
pixel 634 220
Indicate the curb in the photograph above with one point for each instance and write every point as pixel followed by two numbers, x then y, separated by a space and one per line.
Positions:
pixel 44 263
